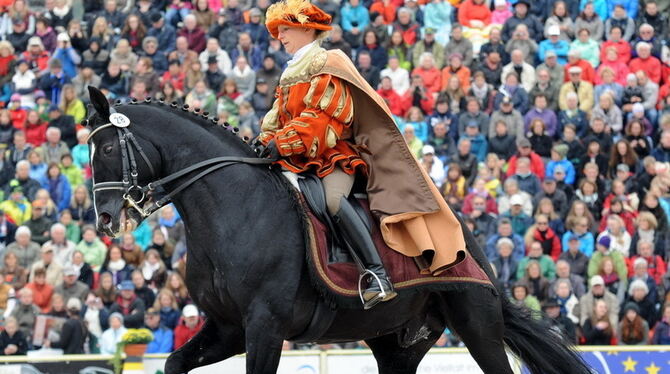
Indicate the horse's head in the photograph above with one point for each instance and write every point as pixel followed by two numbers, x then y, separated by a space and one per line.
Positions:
pixel 120 164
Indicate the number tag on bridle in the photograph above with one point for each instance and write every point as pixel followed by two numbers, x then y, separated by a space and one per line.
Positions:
pixel 119 120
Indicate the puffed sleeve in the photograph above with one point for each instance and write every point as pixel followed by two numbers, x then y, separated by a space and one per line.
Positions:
pixel 329 110
pixel 270 124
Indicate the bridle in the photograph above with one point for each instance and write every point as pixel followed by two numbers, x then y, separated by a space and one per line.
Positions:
pixel 135 194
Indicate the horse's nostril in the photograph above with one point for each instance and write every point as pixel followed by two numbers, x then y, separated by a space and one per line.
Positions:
pixel 105 218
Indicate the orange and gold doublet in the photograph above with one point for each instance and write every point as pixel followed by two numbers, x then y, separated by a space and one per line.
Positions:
pixel 311 118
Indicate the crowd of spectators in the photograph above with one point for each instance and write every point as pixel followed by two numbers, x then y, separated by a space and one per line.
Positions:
pixel 546 124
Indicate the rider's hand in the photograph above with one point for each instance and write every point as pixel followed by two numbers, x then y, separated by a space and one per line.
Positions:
pixel 270 151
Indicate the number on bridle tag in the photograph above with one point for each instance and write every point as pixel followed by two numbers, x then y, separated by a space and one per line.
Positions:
pixel 119 120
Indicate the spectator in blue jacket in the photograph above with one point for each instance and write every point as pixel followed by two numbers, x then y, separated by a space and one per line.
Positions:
pixel 477 140
pixel 67 55
pixel 163 32
pixel 560 47
pixel 558 158
pixel 52 82
pixel 505 231
pixel 580 231
pixel 58 186
pixel 163 337
pixel 630 6
pixel 355 18
pixel 662 152
pixel 600 7
pixel 256 29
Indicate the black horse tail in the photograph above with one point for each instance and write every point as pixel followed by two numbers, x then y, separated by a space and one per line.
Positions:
pixel 542 350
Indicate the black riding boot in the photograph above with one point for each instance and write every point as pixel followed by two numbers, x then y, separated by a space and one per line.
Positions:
pixel 356 233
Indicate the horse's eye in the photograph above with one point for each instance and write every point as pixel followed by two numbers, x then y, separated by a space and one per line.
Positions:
pixel 107 149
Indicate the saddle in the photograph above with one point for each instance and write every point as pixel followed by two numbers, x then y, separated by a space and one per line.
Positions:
pixel 335 273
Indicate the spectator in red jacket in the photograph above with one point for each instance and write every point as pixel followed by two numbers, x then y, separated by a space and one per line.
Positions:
pixel 16 113
pixel 616 41
pixel 386 9
pixel 542 233
pixel 197 40
pixel 656 267
pixel 474 13
pixel 646 62
pixel 188 325
pixel 394 101
pixel 35 129
pixel 37 57
pixel 430 75
pixel 408 28
pixel 524 150
pixel 574 59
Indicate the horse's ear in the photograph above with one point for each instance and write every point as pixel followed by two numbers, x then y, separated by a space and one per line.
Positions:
pixel 99 101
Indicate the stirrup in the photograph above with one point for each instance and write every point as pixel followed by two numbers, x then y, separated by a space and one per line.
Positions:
pixel 381 296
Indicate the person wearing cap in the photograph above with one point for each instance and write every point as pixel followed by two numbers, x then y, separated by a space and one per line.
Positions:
pixel 428 44
pixel 522 16
pixel 67 55
pixel 52 82
pixel 163 337
pixel 524 150
pixel 597 291
pixel 558 321
pixel 74 333
pixel 36 56
pixel 19 35
pixel 129 305
pixel 644 294
pixel 507 113
pixel 71 286
pixel 164 33
pixel 519 219
pixel 554 44
pixel 433 165
pixel 48 262
pixel 188 325
pixel 95 57
pixel 633 329
pixel 112 336
pixel 579 86
pixel 574 257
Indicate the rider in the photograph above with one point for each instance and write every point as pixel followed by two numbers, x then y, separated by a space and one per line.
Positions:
pixel 315 125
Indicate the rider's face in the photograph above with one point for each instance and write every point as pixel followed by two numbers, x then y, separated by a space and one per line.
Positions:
pixel 294 38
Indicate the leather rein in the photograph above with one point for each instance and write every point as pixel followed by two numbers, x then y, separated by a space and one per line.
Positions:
pixel 135 194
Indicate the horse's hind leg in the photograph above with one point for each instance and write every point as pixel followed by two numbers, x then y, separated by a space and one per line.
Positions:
pixel 213 343
pixel 394 359
pixel 476 315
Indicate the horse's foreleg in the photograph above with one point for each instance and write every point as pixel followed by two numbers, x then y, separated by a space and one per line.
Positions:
pixel 213 343
pixel 264 339
pixel 394 359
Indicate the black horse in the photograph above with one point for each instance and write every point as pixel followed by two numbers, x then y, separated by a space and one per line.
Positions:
pixel 246 264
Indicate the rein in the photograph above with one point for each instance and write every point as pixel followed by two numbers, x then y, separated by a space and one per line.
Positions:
pixel 135 194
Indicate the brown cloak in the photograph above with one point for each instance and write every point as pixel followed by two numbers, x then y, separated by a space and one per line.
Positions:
pixel 415 219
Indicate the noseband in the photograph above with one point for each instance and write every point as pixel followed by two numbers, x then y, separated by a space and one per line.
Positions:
pixel 134 194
